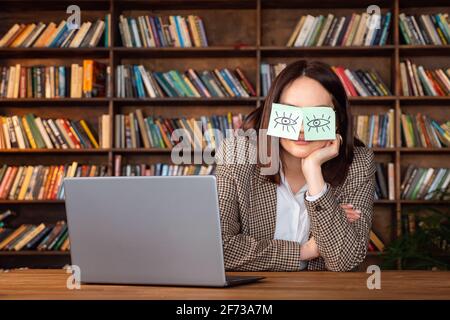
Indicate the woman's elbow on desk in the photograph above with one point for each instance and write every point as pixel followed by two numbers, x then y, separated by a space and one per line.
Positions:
pixel 346 258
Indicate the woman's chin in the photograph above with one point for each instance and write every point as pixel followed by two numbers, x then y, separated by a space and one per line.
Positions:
pixel 302 149
pixel 299 151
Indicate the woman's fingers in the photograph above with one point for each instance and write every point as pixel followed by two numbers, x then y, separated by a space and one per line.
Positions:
pixel 351 213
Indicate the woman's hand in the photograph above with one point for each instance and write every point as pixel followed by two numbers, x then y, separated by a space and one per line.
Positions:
pixel 322 155
pixel 309 250
pixel 312 165
pixel 351 213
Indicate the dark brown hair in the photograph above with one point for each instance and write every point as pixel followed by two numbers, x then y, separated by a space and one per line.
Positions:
pixel 334 170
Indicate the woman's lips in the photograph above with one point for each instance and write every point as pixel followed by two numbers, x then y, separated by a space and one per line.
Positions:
pixel 301 141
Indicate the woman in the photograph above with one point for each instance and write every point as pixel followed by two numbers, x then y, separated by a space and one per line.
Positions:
pixel 315 212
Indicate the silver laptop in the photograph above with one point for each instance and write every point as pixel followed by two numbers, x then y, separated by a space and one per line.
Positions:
pixel 147 230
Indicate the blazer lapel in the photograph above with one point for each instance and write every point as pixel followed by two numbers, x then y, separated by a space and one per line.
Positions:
pixel 263 206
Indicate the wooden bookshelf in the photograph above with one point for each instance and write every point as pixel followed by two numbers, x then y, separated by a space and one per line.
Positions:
pixel 242 33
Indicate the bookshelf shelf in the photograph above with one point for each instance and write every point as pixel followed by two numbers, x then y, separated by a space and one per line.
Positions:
pixel 186 101
pixel 21 53
pixel 55 151
pixel 281 51
pixel 383 150
pixel 425 202
pixel 356 101
pixel 30 202
pixel 424 150
pixel 128 53
pixel 385 202
pixel 424 99
pixel 88 102
pixel 142 150
pixel 34 253
pixel 423 49
pixel 257 33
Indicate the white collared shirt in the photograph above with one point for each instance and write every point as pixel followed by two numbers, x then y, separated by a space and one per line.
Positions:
pixel 292 222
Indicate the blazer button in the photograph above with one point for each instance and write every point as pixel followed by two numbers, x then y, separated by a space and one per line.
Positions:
pixel 318 208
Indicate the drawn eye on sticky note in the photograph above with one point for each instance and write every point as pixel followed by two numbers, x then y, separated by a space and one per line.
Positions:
pixel 319 123
pixel 285 121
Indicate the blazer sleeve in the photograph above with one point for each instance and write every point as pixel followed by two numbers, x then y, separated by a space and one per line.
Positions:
pixel 343 245
pixel 243 252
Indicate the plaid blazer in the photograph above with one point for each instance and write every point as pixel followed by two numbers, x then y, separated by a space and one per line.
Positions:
pixel 248 202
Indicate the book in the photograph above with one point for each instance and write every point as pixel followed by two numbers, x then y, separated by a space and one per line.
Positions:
pixel 159 169
pixel 424 29
pixel 135 81
pixel 350 30
pixel 362 82
pixel 420 183
pixel 421 131
pixel 356 82
pixel 162 31
pixel 42 237
pixel 384 178
pixel 376 241
pixel 268 73
pixel 58 35
pixel 42 182
pixel 418 81
pixel 88 80
pixel 376 130
pixel 42 133
pixel 135 130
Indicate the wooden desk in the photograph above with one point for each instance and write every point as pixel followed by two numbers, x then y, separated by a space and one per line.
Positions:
pixel 51 284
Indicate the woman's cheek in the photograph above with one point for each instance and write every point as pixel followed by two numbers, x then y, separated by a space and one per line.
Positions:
pixel 318 145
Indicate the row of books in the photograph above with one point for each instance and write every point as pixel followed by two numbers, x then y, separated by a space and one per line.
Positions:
pixel 42 237
pixel 361 82
pixel 137 131
pixel 431 29
pixel 62 35
pixel 376 130
pixel 159 169
pixel 384 177
pixel 420 130
pixel 166 31
pixel 30 132
pixel 355 30
pixel 91 79
pixel 356 82
pixel 133 130
pixel 418 81
pixel 42 182
pixel 425 183
pixel 137 81
pixel 268 74
pixel 46 182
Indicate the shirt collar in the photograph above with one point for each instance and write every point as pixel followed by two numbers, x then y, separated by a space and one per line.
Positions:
pixel 285 183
